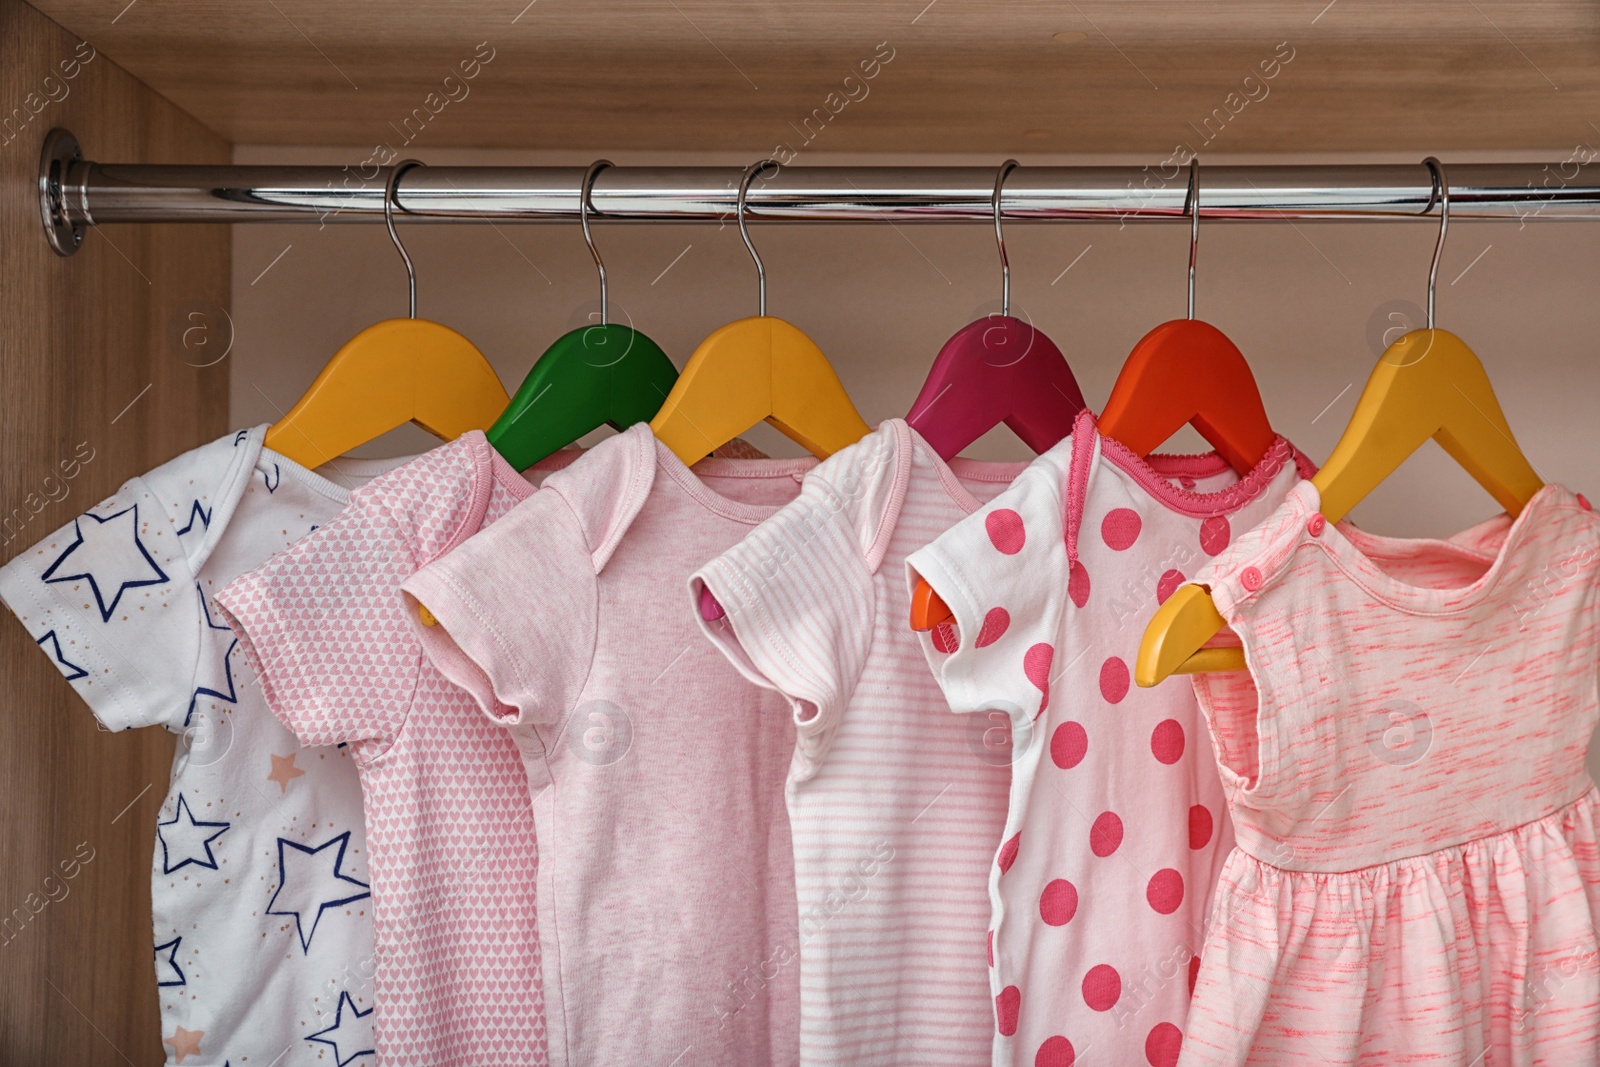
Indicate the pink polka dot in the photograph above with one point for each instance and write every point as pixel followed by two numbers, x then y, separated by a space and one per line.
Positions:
pixel 1194 972
pixel 1120 528
pixel 1166 741
pixel 1008 852
pixel 1036 664
pixel 1102 987
pixel 1106 834
pixel 1055 1052
pixel 1215 534
pixel 1199 826
pixel 1113 679
pixel 1162 1044
pixel 1058 903
pixel 1005 530
pixel 945 637
pixel 1006 1006
pixel 991 948
pixel 1078 583
pixel 1068 744
pixel 1165 891
pixel 1168 584
pixel 994 626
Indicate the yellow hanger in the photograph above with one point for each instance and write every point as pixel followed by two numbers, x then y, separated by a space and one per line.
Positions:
pixel 1426 384
pixel 397 371
pixel 755 369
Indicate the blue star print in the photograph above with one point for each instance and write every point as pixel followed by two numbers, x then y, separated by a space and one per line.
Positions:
pixel 114 547
pixel 310 885
pixel 216 675
pixel 71 671
pixel 347 1033
pixel 184 838
pixel 168 973
pixel 197 512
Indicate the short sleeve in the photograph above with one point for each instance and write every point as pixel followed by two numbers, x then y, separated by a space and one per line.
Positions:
pixel 1001 571
pixel 798 595
pixel 515 611
pixel 322 625
pixel 113 597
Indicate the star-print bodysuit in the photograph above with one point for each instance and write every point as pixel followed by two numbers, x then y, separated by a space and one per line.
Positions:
pixel 262 923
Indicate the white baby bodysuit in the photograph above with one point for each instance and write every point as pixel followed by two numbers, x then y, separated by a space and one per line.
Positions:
pixel 262 944
pixel 1117 827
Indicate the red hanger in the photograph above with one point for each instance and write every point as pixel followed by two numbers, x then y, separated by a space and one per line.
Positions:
pixel 1184 372
pixel 998 369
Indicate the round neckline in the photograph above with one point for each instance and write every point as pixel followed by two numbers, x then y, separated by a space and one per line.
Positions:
pixel 512 480
pixel 1155 473
pixel 364 468
pixel 1353 552
pixel 691 480
pixel 953 471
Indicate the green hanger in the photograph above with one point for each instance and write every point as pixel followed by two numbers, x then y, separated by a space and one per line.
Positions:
pixel 609 373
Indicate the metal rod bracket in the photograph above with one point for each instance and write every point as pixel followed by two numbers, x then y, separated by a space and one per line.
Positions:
pixel 64 232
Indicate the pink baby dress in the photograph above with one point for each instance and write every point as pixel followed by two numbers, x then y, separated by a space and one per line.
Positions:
pixel 1417 878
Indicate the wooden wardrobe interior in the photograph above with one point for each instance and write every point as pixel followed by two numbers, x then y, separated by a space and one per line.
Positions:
pixel 99 351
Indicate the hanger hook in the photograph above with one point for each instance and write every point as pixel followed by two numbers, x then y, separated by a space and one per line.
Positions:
pixel 584 207
pixel 1441 191
pixel 391 197
pixel 750 174
pixel 1192 204
pixel 999 237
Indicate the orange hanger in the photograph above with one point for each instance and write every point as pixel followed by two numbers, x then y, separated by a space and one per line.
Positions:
pixel 759 368
pixel 391 373
pixel 1182 372
pixel 1428 384
pixel 1187 372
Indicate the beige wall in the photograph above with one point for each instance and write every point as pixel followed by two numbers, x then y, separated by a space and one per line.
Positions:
pixel 1300 301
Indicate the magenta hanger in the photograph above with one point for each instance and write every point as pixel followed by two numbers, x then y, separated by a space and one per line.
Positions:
pixel 998 369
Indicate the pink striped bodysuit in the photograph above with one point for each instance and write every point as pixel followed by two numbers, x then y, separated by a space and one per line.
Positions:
pixel 1417 877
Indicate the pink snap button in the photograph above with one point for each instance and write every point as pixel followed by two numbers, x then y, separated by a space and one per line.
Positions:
pixel 1583 502
pixel 1250 578
pixel 1315 525
pixel 710 608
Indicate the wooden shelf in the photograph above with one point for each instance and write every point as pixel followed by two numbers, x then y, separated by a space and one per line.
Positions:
pixel 1365 75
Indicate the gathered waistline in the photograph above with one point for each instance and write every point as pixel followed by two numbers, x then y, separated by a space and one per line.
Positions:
pixel 1590 797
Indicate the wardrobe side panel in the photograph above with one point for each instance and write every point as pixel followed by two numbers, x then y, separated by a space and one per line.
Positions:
pixel 100 353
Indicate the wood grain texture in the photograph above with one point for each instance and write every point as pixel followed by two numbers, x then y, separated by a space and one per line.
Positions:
pixel 81 339
pixel 992 77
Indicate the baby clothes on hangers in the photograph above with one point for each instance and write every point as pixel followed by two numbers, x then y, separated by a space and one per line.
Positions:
pixel 1117 826
pixel 452 855
pixel 1417 877
pixel 895 812
pixel 666 874
pixel 259 889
